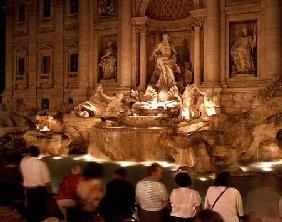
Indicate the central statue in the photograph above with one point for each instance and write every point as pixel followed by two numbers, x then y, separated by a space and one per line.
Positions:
pixel 165 55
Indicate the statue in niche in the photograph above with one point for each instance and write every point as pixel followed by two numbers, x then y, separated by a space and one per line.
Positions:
pixel 165 55
pixel 243 52
pixel 106 8
pixel 108 62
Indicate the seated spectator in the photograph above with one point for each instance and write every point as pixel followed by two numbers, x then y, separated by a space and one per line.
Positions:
pixel 7 212
pixel 118 202
pixel 90 187
pixel 185 202
pixel 208 216
pixel 67 190
pixel 152 195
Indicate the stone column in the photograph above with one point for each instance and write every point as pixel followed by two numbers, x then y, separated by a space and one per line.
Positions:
pixel 32 80
pixel 134 56
pixel 273 38
pixel 143 57
pixel 212 44
pixel 125 43
pixel 9 54
pixel 197 53
pixel 58 60
pixel 83 70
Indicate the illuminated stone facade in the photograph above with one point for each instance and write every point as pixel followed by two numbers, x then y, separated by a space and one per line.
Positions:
pixel 54 47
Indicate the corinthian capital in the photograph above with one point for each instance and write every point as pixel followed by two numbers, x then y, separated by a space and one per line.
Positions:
pixel 197 23
pixel 141 28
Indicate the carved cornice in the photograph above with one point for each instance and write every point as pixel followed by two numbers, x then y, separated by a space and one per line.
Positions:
pixel 243 9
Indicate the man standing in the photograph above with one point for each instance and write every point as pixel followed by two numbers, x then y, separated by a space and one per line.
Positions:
pixel 152 195
pixel 118 202
pixel 36 183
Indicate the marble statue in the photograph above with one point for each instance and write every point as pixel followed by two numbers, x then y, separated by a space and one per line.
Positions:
pixel 188 109
pixel 165 55
pixel 108 62
pixel 188 74
pixel 242 53
pixel 115 105
pixel 208 108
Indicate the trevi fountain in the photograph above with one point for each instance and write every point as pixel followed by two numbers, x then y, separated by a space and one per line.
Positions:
pixel 192 85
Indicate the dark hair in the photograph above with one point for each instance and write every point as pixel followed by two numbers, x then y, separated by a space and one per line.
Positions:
pixel 34 151
pixel 183 179
pixel 208 216
pixel 223 179
pixel 121 172
pixel 92 170
pixel 6 194
pixel 152 169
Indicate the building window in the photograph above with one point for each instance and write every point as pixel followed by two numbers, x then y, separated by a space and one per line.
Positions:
pixel 73 65
pixel 21 66
pixel 74 5
pixel 21 13
pixel 46 8
pixel 46 65
pixel 45 103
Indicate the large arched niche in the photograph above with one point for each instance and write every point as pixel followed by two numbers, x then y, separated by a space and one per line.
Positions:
pixel 174 17
pixel 169 9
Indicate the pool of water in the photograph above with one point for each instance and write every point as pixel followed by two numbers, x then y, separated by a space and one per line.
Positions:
pixel 260 193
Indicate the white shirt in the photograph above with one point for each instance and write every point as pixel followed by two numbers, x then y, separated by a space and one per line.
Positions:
pixel 229 205
pixel 151 194
pixel 184 202
pixel 34 171
pixel 280 207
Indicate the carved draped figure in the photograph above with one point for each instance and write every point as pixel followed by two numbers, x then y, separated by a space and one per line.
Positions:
pixel 241 54
pixel 108 64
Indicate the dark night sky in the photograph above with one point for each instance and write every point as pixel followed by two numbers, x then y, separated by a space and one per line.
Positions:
pixel 2 45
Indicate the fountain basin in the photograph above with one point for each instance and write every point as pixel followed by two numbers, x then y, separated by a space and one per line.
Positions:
pixel 127 142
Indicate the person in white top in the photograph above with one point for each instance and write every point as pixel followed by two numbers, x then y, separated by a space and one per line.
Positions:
pixel 280 207
pixel 36 181
pixel 185 202
pixel 224 199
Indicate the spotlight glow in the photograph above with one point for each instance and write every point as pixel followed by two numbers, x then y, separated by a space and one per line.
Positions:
pixel 203 179
pixel 57 157
pixel 267 169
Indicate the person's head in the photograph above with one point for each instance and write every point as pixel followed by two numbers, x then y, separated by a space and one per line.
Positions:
pixel 223 179
pixel 92 170
pixel 120 173
pixel 34 151
pixel 165 37
pixel 208 216
pixel 245 31
pixel 154 171
pixel 75 170
pixel 6 194
pixel 183 179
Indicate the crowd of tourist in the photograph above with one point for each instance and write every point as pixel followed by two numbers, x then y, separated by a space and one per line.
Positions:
pixel 82 196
